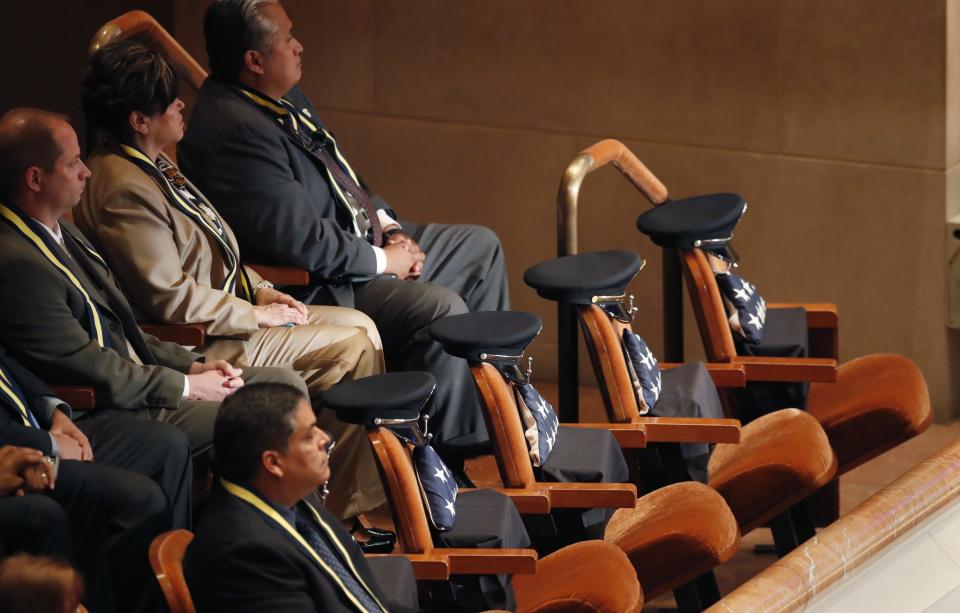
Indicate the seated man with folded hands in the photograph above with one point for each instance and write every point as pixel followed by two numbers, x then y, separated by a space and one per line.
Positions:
pixel 94 492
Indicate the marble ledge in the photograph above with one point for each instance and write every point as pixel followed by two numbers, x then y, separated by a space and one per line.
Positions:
pixel 850 542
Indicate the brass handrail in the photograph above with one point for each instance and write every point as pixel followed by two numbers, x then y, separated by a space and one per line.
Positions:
pixel 596 156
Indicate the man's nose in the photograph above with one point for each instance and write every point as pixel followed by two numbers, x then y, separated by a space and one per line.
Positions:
pixel 326 441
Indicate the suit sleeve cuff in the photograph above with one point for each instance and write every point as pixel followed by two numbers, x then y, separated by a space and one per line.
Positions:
pixel 385 220
pixel 52 403
pixel 381 259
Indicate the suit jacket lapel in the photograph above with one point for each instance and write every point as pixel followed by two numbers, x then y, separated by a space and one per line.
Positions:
pixel 104 290
pixel 81 265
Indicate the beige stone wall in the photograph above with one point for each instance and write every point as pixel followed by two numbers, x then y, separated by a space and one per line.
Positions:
pixel 835 119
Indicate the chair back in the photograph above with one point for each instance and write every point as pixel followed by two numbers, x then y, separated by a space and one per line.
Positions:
pixel 142 27
pixel 708 307
pixel 166 559
pixel 602 335
pixel 504 426
pixel 395 465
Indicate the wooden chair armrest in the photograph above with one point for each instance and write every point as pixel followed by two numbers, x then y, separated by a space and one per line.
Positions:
pixel 439 564
pixel 591 495
pixel 812 370
pixel 819 314
pixel 723 375
pixel 689 429
pixel 629 436
pixel 528 501
pixel 79 398
pixel 433 566
pixel 491 561
pixel 282 275
pixel 191 335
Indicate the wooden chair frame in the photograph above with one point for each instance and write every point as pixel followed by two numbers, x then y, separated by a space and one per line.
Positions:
pixel 718 338
pixel 413 531
pixel 510 450
pixel 166 559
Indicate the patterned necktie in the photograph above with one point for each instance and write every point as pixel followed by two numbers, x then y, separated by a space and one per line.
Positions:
pixel 345 181
pixel 319 544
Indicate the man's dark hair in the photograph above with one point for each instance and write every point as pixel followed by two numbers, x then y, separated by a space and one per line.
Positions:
pixel 256 418
pixel 26 139
pixel 231 28
pixel 124 77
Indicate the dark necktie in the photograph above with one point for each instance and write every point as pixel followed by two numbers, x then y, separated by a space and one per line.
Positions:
pixel 345 181
pixel 307 531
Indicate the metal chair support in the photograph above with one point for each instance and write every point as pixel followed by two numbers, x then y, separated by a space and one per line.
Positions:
pixel 590 159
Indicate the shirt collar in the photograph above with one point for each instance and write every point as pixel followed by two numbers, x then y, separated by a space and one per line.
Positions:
pixel 289 514
pixel 55 232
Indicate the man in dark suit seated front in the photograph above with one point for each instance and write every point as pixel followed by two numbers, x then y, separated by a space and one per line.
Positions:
pixel 260 545
pixel 258 149
pixel 96 494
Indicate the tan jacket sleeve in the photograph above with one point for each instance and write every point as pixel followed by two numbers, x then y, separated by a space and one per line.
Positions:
pixel 136 231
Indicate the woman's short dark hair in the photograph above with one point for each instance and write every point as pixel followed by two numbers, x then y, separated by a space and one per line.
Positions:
pixel 124 77
pixel 256 418
pixel 233 27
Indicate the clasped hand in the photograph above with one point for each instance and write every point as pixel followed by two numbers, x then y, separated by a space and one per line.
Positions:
pixel 213 380
pixel 404 256
pixel 274 308
pixel 24 470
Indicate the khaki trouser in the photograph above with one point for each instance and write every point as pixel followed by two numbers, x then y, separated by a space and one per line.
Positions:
pixel 337 344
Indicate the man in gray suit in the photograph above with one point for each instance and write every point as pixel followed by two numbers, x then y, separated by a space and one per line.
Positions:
pixel 257 148
pixel 63 315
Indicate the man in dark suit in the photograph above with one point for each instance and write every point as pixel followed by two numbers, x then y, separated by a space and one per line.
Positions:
pixel 260 546
pixel 63 315
pixel 256 147
pixel 114 491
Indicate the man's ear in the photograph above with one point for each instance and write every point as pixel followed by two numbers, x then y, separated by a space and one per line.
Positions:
pixel 272 463
pixel 253 61
pixel 139 123
pixel 33 178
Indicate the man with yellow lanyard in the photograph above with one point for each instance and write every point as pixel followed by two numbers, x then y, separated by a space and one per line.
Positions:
pixel 260 545
pixel 117 482
pixel 63 315
pixel 256 147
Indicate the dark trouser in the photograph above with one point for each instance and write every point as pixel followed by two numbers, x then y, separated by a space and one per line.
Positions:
pixel 195 418
pixel 114 514
pixel 156 450
pixel 37 525
pixel 464 271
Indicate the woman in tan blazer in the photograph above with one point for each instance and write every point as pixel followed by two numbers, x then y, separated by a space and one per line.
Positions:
pixel 179 262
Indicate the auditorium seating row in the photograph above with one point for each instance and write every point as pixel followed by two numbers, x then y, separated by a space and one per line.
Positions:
pixel 629 484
